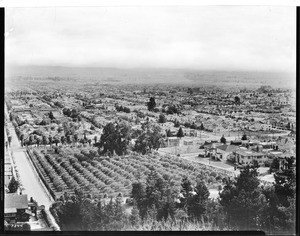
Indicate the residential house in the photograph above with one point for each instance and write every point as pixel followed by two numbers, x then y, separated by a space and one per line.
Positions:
pixel 248 156
pixel 172 141
pixel 16 208
pixel 224 151
pixel 210 148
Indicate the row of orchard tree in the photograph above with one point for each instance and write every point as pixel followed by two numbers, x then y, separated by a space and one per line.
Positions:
pixel 243 204
pixel 38 140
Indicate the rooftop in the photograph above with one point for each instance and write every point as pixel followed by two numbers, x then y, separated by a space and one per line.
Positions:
pixel 13 200
pixel 249 153
pixel 227 148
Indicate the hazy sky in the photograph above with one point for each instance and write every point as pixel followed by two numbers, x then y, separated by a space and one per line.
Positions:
pixel 198 37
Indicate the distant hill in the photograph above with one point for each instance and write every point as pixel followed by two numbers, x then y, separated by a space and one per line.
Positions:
pixel 149 76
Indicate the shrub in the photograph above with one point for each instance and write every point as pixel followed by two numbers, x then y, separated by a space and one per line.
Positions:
pixel 26 227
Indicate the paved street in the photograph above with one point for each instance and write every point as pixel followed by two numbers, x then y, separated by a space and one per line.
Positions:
pixel 30 180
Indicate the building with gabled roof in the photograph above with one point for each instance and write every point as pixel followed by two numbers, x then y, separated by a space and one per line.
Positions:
pixel 224 151
pixel 248 156
pixel 16 208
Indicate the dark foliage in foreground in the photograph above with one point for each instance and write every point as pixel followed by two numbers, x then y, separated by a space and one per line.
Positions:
pixel 159 204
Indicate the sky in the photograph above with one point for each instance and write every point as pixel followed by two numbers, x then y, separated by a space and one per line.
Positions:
pixel 256 38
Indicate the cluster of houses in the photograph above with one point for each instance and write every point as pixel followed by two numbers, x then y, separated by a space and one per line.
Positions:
pixel 222 115
pixel 240 152
pixel 248 152
pixel 216 110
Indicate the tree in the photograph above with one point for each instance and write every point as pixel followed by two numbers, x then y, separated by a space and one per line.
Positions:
pixel 201 126
pixel 162 118
pixel 185 193
pixel 13 185
pixel 138 195
pixel 199 201
pixel 50 140
pixel 76 138
pixel 237 100
pixel 95 139
pixel 115 138
pixel 176 123
pixel 180 133
pixel 193 126
pixel 244 137
pixel 150 139
pixel 173 109
pixel 38 140
pixel 89 141
pixel 169 133
pixel 126 109
pixel 51 116
pixel 56 140
pixel 134 216
pixel 193 200
pixel 159 198
pixel 285 183
pixel 26 227
pixel 31 139
pixel 223 139
pixel 278 218
pixel 45 122
pixel 243 200
pixel 45 141
pixel 62 139
pixel 255 164
pixel 151 104
pixel 274 165
pixel 69 139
